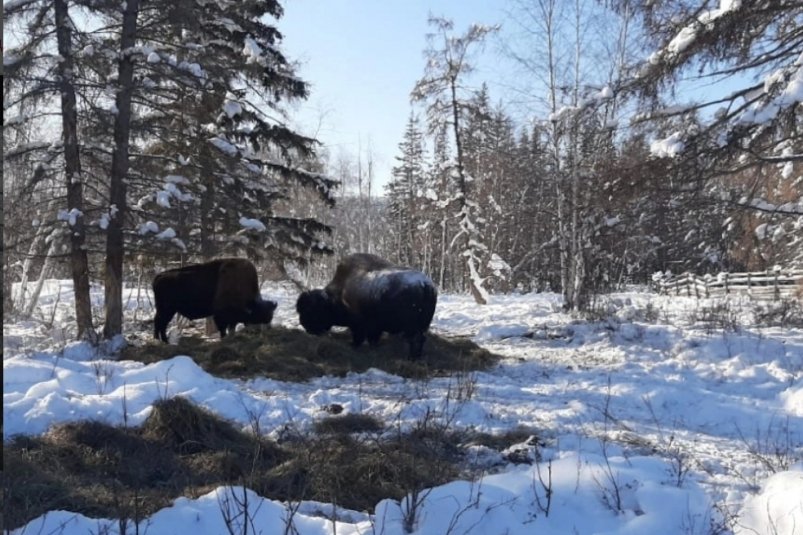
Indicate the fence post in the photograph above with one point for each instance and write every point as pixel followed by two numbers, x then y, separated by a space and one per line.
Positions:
pixel 777 293
pixel 749 288
pixel 727 290
pixel 688 285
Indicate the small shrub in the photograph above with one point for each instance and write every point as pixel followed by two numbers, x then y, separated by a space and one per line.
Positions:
pixel 783 313
pixel 348 423
pixel 718 317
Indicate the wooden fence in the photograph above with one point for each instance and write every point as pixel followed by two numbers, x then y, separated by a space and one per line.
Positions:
pixel 771 284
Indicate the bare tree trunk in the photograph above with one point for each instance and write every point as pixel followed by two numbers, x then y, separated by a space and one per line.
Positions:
pixel 72 174
pixel 475 285
pixel 548 7
pixel 443 252
pixel 207 230
pixel 115 245
pixel 577 263
pixel 47 268
pixel 33 250
pixel 369 210
pixel 207 204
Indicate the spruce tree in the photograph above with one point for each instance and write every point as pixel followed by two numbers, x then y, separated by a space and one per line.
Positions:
pixel 406 190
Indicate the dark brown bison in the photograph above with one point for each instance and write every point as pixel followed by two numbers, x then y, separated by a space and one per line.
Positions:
pixel 226 289
pixel 370 296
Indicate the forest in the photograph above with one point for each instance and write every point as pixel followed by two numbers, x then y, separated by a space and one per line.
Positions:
pixel 156 135
pixel 606 263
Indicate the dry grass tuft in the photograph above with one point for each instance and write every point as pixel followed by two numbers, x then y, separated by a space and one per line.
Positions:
pixel 99 470
pixel 293 355
pixel 349 423
pixel 102 471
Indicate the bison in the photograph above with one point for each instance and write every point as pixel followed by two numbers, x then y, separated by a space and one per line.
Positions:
pixel 370 296
pixel 226 289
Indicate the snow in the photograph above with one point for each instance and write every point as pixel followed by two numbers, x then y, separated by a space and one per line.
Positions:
pixel 253 224
pixel 163 199
pixel 232 109
pixel 166 234
pixel 687 35
pixel 16 4
pixel 767 109
pixel 378 281
pixel 787 169
pixel 252 50
pixel 148 226
pixel 177 179
pixel 71 217
pixel 671 389
pixel 230 25
pixel 193 68
pixel 667 148
pixel 9 60
pixel 778 508
pixel 224 145
pixel 430 194
pixel 498 266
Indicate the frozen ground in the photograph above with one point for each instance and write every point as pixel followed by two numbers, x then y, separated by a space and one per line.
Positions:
pixel 662 417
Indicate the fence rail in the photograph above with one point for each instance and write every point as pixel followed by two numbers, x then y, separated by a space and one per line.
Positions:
pixel 771 284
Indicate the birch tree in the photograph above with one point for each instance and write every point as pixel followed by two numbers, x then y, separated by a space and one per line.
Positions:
pixel 556 49
pixel 443 90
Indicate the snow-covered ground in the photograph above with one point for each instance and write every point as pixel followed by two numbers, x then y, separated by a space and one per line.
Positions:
pixel 655 422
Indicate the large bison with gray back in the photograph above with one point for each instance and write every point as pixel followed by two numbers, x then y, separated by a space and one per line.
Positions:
pixel 226 289
pixel 370 296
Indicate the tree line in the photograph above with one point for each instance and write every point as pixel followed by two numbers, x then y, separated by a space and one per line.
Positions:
pixel 141 130
pixel 609 183
pixel 142 134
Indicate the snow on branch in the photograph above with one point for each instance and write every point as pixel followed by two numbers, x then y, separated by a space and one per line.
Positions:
pixel 690 33
pixel 790 79
pixel 224 145
pixel 761 205
pixel 13 6
pixel 669 147
pixel 252 224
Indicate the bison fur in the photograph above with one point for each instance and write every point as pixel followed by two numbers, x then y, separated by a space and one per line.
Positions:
pixel 371 296
pixel 226 289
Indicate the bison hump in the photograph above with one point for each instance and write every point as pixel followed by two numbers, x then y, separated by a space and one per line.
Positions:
pixel 375 286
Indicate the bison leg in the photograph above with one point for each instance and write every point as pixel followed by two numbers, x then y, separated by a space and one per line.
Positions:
pixel 222 324
pixel 373 335
pixel 160 322
pixel 416 341
pixel 357 335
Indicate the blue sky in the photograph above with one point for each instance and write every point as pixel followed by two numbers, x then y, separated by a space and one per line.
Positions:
pixel 362 58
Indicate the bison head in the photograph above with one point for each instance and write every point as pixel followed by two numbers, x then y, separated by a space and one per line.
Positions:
pixel 316 311
pixel 260 311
